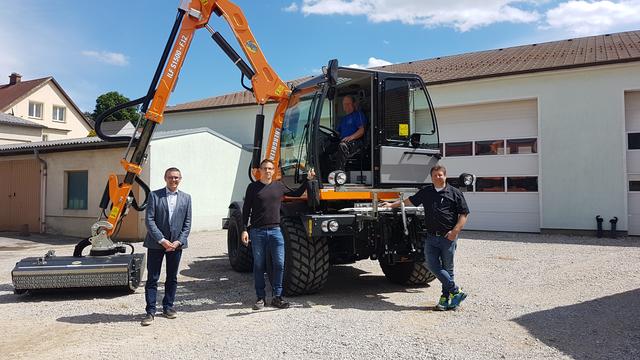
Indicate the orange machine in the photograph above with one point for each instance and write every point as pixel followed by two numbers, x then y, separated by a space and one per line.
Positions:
pixel 338 221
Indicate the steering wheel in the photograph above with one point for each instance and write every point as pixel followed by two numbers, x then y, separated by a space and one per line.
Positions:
pixel 333 135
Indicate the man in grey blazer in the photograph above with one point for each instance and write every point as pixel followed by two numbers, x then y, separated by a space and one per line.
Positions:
pixel 168 220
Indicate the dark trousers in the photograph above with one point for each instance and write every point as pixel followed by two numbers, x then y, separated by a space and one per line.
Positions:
pixel 344 150
pixel 154 265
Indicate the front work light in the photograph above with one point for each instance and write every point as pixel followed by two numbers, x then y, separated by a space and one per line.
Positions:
pixel 337 177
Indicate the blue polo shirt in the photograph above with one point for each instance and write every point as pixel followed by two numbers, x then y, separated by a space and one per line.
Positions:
pixel 351 123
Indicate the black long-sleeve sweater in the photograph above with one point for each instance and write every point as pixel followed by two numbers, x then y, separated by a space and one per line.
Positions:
pixel 262 202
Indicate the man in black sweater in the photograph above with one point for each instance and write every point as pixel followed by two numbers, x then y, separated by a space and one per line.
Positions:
pixel 262 204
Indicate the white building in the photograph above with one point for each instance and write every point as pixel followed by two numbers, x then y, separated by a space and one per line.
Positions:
pixel 551 130
pixel 56 186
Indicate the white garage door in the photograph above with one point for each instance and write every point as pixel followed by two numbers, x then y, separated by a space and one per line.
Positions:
pixel 498 142
pixel 632 120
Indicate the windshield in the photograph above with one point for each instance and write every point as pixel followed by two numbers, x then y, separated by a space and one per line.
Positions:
pixel 295 134
pixel 408 116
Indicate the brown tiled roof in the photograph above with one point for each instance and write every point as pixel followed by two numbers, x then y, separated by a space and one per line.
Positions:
pixel 11 94
pixel 556 55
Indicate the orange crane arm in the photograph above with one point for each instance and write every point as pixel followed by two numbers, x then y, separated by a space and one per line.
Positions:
pixel 267 86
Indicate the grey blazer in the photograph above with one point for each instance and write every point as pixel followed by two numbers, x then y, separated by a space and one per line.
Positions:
pixel 157 219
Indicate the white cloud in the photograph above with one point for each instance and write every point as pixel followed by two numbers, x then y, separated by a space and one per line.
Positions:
pixel 291 8
pixel 111 58
pixel 593 17
pixel 463 15
pixel 373 62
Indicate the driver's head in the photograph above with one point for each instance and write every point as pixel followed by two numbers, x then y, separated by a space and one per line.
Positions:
pixel 348 104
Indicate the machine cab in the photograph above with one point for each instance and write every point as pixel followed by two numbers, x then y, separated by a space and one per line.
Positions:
pixel 390 114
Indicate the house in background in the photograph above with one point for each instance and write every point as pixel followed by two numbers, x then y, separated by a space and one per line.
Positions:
pixel 38 110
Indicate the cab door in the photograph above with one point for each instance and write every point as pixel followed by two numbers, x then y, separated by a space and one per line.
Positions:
pixel 408 133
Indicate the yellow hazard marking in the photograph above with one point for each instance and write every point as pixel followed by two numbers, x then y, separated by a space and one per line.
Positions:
pixel 310 227
pixel 204 2
pixel 114 212
pixel 279 90
pixel 403 130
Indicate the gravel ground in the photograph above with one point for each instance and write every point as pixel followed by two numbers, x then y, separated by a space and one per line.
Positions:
pixel 531 297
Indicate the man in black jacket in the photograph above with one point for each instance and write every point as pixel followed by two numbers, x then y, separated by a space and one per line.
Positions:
pixel 262 203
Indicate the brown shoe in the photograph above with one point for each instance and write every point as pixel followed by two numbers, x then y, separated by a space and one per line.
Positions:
pixel 148 320
pixel 170 313
pixel 279 302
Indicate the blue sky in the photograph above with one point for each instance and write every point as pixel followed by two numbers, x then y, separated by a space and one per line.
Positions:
pixel 92 47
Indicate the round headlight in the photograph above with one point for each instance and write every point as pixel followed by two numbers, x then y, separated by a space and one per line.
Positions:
pixel 341 177
pixel 325 226
pixel 332 178
pixel 333 225
pixel 467 179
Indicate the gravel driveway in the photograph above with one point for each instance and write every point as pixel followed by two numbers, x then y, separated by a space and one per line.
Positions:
pixel 531 297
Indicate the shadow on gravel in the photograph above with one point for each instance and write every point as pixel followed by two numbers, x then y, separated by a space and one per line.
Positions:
pixel 352 288
pixel 46 239
pixel 35 296
pixel 604 328
pixel 630 241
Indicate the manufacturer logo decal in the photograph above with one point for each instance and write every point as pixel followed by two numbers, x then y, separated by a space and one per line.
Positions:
pixel 251 46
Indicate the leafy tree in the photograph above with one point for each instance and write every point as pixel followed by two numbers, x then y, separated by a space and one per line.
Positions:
pixel 111 99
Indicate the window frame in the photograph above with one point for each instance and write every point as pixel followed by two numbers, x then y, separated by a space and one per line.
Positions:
pixel 67 206
pixel 64 113
pixel 41 105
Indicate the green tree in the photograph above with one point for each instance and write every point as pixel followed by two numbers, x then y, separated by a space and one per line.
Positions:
pixel 112 99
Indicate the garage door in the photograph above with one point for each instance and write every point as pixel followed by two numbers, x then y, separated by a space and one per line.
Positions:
pixel 498 142
pixel 632 121
pixel 20 194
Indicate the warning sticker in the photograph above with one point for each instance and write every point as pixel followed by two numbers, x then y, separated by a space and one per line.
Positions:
pixel 403 130
pixel 114 212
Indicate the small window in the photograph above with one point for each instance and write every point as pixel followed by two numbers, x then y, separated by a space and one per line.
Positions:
pixel 490 147
pixel 634 141
pixel 490 184
pixel 459 149
pixel 634 185
pixel 522 146
pixel 455 182
pixel 77 186
pixel 45 137
pixel 522 183
pixel 58 113
pixel 35 110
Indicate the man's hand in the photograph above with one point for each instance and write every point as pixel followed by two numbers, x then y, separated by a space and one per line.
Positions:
pixel 245 238
pixel 385 204
pixel 176 244
pixel 311 174
pixel 452 235
pixel 167 245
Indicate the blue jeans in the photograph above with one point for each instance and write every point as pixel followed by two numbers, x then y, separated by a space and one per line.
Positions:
pixel 439 252
pixel 154 265
pixel 263 240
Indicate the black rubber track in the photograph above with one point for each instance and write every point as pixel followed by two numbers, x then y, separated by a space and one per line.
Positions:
pixel 408 273
pixel 240 256
pixel 306 259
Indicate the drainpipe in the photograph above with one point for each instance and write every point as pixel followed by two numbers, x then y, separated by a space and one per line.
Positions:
pixel 43 191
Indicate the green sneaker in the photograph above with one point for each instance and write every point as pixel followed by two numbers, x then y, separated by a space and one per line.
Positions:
pixel 456 299
pixel 443 303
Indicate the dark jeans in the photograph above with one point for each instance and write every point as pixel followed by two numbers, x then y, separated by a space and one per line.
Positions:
pixel 439 252
pixel 263 240
pixel 154 265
